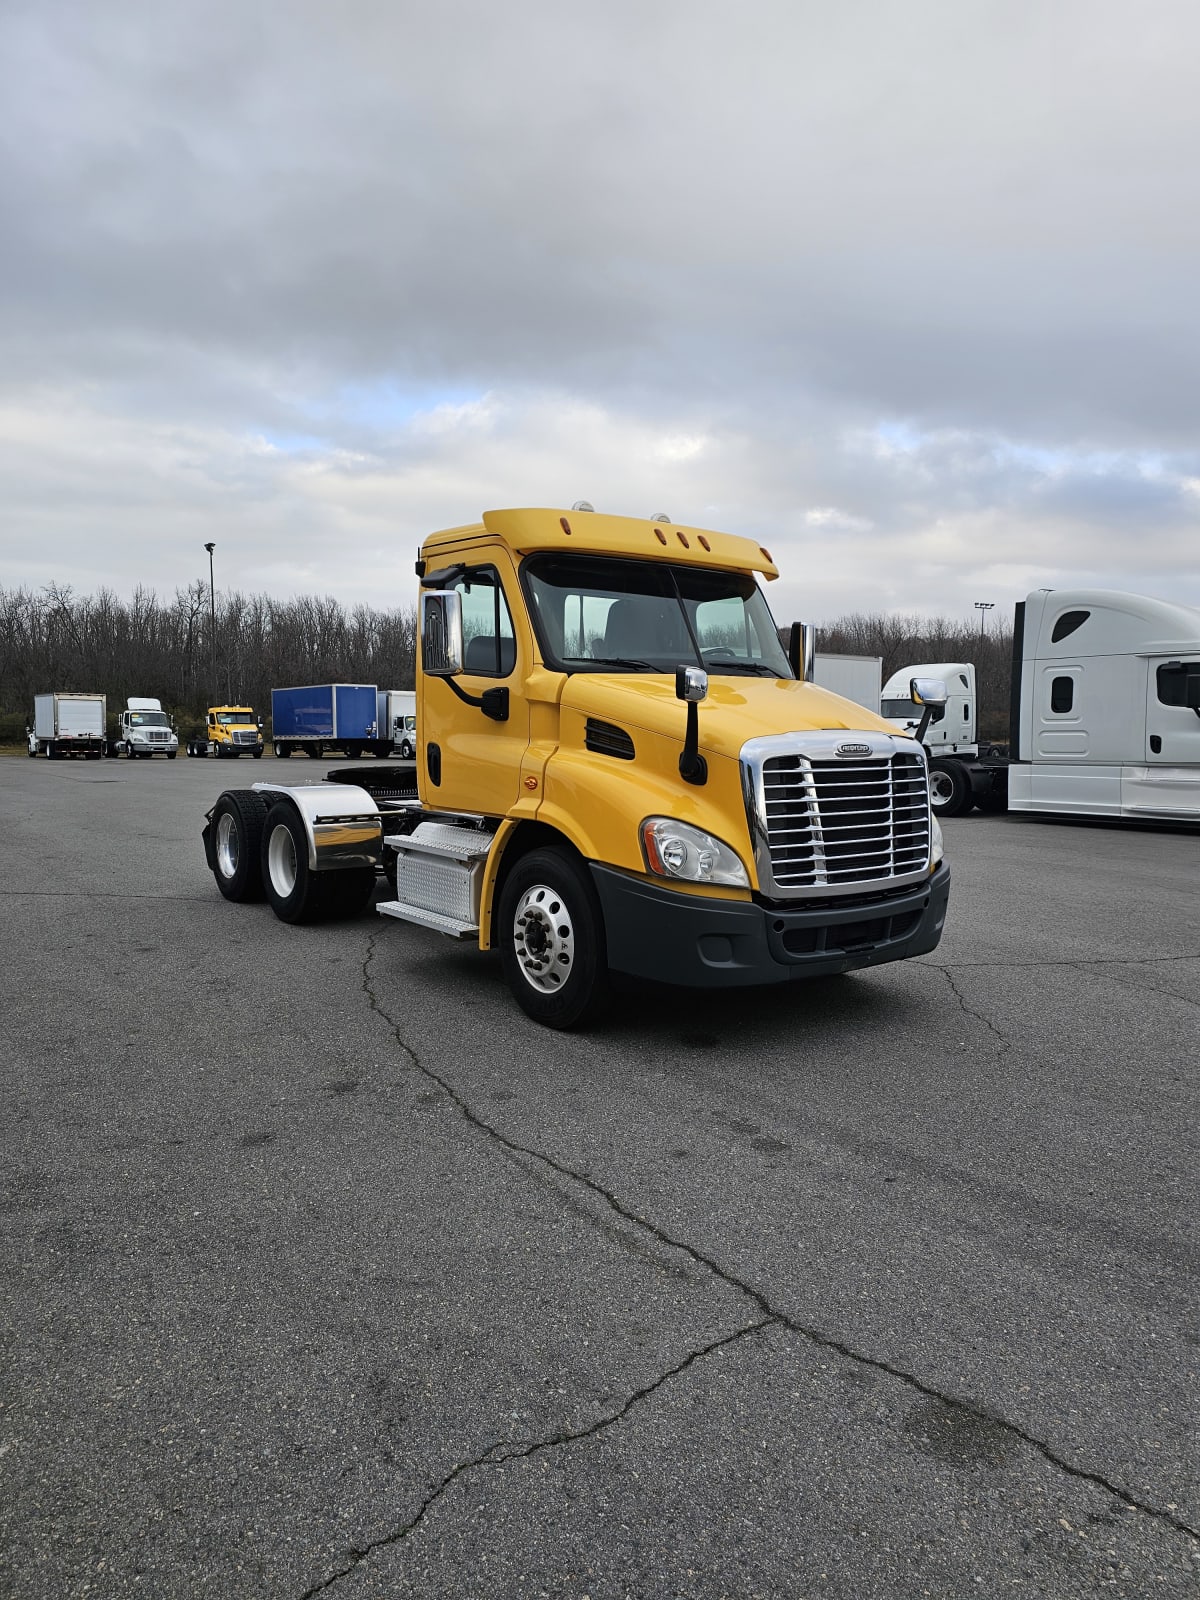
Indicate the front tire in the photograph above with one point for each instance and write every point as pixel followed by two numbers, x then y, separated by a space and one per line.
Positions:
pixel 949 789
pixel 237 829
pixel 552 944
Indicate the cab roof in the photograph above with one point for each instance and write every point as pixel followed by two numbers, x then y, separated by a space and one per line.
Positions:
pixel 595 533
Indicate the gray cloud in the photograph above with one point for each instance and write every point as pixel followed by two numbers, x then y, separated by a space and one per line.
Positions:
pixel 905 292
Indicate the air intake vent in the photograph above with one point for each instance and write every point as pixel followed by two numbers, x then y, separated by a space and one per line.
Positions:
pixel 606 740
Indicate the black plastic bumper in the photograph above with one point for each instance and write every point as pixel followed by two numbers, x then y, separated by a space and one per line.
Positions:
pixel 659 933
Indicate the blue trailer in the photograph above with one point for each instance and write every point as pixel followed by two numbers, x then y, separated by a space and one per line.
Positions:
pixel 325 716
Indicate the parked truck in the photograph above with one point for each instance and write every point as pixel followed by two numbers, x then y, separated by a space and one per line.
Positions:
pixel 68 725
pixel 318 718
pixel 396 723
pixel 229 731
pixel 856 678
pixel 145 730
pixel 619 770
pixel 1104 719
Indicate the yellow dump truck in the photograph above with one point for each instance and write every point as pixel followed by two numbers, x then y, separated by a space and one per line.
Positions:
pixel 229 731
pixel 619 770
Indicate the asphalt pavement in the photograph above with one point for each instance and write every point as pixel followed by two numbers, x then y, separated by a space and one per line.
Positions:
pixel 325 1271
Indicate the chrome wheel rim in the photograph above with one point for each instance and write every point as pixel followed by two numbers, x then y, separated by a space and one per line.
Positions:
pixel 941 788
pixel 228 845
pixel 281 861
pixel 544 938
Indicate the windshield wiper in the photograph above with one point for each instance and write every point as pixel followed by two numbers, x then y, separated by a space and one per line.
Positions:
pixel 616 661
pixel 757 669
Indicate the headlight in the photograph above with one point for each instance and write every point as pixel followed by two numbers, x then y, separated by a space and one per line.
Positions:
pixel 936 848
pixel 677 850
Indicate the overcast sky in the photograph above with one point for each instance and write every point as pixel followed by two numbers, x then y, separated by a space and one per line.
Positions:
pixel 906 290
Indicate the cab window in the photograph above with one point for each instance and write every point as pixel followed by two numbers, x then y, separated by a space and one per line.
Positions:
pixel 489 642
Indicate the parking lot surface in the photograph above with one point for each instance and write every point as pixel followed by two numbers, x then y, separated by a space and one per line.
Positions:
pixel 327 1272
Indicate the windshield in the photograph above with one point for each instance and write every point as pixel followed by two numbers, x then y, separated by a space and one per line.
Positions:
pixel 148 719
pixel 596 613
pixel 226 717
pixel 908 711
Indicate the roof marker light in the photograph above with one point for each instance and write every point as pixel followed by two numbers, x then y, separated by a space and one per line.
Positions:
pixel 660 516
pixel 682 537
pixel 660 536
pixel 763 549
pixel 704 544
pixel 564 524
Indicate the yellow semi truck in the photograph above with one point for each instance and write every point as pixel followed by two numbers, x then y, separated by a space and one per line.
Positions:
pixel 619 770
pixel 229 731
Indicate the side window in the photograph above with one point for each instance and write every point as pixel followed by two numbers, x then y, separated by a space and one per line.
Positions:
pixel 1062 694
pixel 1171 679
pixel 489 643
pixel 1067 624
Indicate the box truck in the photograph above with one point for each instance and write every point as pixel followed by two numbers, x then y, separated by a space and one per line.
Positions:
pixel 857 678
pixel 619 770
pixel 68 725
pixel 396 720
pixel 321 717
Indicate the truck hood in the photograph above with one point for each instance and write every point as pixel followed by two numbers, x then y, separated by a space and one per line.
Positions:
pixel 736 709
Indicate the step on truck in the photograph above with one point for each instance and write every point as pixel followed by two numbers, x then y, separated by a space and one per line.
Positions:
pixel 68 725
pixel 620 770
pixel 1104 718
pixel 229 731
pixel 320 717
pixel 144 729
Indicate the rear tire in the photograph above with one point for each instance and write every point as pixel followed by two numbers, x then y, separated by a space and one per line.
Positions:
pixel 949 789
pixel 313 752
pixel 551 933
pixel 354 752
pixel 237 829
pixel 282 750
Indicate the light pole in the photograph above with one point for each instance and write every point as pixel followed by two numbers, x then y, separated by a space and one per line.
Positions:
pixel 212 627
pixel 982 606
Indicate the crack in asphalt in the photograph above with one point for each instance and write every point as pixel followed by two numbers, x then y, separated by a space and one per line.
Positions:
pixel 505 1451
pixel 95 894
pixel 968 1011
pixel 771 1316
pixel 1138 988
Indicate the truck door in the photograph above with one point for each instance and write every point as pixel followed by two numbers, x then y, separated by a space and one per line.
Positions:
pixel 1172 727
pixel 479 759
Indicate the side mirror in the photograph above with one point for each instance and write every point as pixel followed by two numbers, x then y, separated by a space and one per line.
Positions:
pixel 691 686
pixel 260 722
pixel 441 633
pixel 931 694
pixel 928 692
pixel 802 650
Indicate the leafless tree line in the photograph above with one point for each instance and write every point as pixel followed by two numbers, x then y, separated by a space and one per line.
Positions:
pixel 904 641
pixel 54 639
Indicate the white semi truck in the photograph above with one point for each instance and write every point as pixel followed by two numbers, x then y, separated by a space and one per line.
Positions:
pixel 1105 713
pixel 68 725
pixel 145 730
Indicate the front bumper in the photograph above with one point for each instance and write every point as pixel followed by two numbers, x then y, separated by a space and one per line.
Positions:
pixel 658 933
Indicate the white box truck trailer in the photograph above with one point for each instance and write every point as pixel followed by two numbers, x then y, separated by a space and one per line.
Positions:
pixel 68 725
pixel 857 678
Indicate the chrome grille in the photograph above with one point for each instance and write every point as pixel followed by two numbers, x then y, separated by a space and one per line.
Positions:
pixel 825 822
pixel 245 737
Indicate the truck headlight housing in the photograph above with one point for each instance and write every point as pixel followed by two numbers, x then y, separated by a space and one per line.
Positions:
pixel 937 848
pixel 677 850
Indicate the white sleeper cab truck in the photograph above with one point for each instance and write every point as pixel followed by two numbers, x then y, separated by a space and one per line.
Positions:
pixel 1104 718
pixel 145 730
pixel 1106 714
pixel 68 725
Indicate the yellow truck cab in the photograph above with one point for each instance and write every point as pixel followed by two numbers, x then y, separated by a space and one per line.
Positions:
pixel 229 731
pixel 619 769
